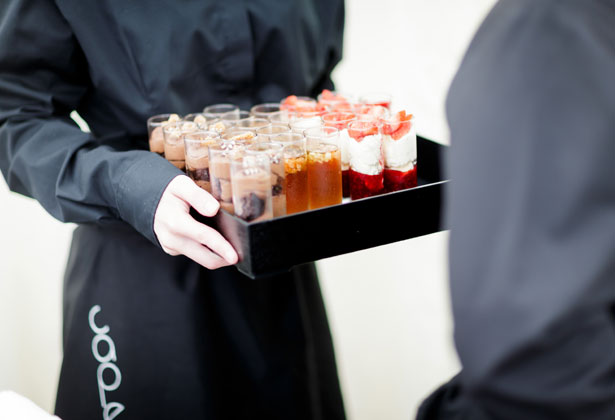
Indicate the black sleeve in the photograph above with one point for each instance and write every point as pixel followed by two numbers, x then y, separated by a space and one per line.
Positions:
pixel 43 154
pixel 532 215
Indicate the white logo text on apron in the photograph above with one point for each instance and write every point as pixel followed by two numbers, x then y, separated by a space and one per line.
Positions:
pixel 107 362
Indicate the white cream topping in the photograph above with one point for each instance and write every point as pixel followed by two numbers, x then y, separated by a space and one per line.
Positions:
pixel 366 155
pixel 344 145
pixel 400 154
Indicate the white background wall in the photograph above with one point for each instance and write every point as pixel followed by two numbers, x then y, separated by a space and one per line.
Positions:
pixel 388 306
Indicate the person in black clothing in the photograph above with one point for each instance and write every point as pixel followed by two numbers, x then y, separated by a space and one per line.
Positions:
pixel 532 215
pixel 148 335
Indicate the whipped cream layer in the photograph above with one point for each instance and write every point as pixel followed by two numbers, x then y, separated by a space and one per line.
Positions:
pixel 345 140
pixel 366 155
pixel 400 154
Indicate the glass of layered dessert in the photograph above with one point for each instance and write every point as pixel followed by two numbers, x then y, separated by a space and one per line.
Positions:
pixel 230 119
pixel 335 101
pixel 251 186
pixel 251 124
pixel 295 171
pixel 239 136
pixel 197 156
pixel 174 141
pixel 295 103
pixel 324 165
pixel 217 110
pixel 220 156
pixel 399 145
pixel 264 110
pixel 265 134
pixel 377 98
pixel 154 131
pixel 280 117
pixel 299 125
pixel 275 153
pixel 340 120
pixel 366 159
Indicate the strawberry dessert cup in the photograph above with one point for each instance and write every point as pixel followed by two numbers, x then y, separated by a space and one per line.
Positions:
pixel 366 176
pixel 399 145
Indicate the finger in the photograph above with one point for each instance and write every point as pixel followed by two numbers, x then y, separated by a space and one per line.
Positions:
pixel 201 200
pixel 200 254
pixel 187 227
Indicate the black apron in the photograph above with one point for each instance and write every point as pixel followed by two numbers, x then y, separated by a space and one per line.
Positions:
pixel 150 336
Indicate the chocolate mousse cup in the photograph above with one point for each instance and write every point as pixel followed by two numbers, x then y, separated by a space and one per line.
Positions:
pixel 251 180
pixel 174 141
pixel 197 156
pixel 154 131
pixel 275 153
pixel 220 157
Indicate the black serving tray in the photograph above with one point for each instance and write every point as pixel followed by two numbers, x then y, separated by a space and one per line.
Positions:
pixel 276 245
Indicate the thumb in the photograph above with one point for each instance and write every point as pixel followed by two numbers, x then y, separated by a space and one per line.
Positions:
pixel 201 200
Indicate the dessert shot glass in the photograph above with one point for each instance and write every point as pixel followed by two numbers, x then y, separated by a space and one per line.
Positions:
pixel 220 156
pixel 377 98
pixel 295 171
pixel 154 131
pixel 217 110
pixel 366 159
pixel 324 165
pixel 251 187
pixel 174 141
pixel 251 124
pixel 230 119
pixel 196 147
pixel 299 125
pixel 275 153
pixel 340 120
pixel 239 136
pixel 335 101
pixel 399 146
pixel 298 103
pixel 266 134
pixel 264 110
pixel 282 116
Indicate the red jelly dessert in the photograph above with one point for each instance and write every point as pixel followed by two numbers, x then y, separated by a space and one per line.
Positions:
pixel 398 180
pixel 362 185
pixel 345 183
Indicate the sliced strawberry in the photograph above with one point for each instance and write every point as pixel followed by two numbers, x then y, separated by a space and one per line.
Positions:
pixel 398 126
pixel 327 95
pixel 362 129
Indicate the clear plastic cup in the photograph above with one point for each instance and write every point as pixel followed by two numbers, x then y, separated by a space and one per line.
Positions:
pixel 366 159
pixel 299 125
pixel 217 110
pixel 268 133
pixel 377 98
pixel 173 134
pixel 275 153
pixel 252 124
pixel 399 146
pixel 295 171
pixel 220 157
pixel 197 156
pixel 264 110
pixel 324 165
pixel 154 131
pixel 251 187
